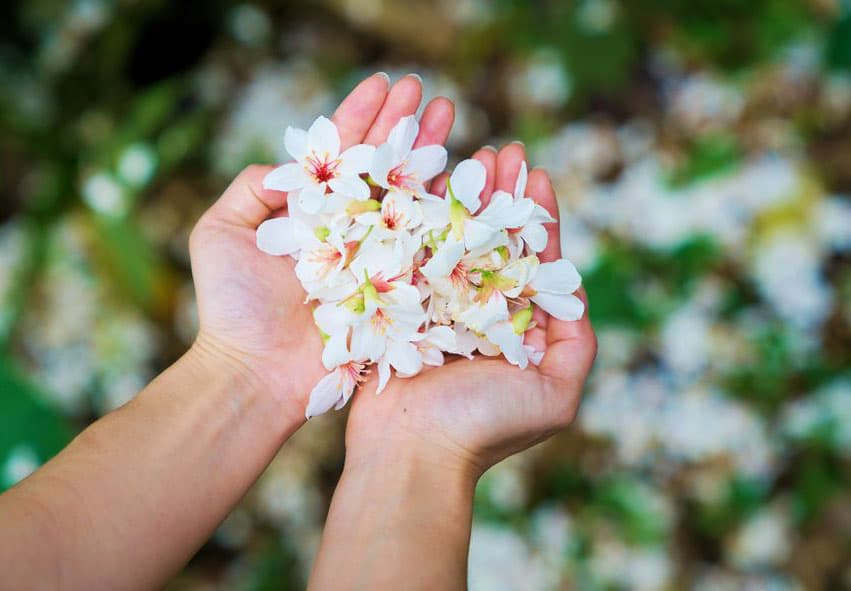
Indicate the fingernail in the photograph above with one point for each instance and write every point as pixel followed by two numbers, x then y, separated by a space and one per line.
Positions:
pixel 384 75
pixel 519 143
pixel 417 76
pixel 489 147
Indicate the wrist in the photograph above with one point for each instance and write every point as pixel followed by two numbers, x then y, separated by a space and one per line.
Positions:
pixel 243 377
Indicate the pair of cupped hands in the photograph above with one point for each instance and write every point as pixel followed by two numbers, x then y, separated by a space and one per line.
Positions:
pixel 467 414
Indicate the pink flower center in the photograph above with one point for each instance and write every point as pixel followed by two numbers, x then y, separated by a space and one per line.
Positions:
pixel 459 277
pixel 322 169
pixel 399 178
pixel 327 257
pixel 381 321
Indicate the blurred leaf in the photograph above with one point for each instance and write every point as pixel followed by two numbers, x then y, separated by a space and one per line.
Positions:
pixel 838 47
pixel 133 263
pixel 709 156
pixel 26 420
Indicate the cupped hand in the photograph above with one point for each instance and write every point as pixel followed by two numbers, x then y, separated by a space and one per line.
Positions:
pixel 474 413
pixel 251 305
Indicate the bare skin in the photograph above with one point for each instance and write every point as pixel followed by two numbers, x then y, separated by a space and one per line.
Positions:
pixel 401 515
pixel 135 495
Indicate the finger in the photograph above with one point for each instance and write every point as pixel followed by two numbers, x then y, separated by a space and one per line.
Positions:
pixel 403 100
pixel 436 122
pixel 487 156
pixel 358 111
pixel 245 202
pixel 508 163
pixel 438 185
pixel 571 346
pixel 540 188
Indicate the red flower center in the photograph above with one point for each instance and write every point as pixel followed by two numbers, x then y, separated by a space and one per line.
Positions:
pixel 322 169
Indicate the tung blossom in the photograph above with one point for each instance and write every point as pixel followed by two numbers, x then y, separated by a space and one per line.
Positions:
pixel 319 167
pixel 399 277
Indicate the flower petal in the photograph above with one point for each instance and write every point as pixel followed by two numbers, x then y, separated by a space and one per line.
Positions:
pixel 563 307
pixel 289 177
pixel 558 277
pixel 405 358
pixel 357 159
pixel 509 342
pixel 520 185
pixel 403 135
pixel 535 236
pixel 427 162
pixel 278 236
pixel 367 343
pixel 383 374
pixel 350 186
pixel 480 317
pixel 477 233
pixel 311 199
pixel 327 393
pixel 444 261
pixel 332 318
pixel 500 212
pixel 383 161
pixel 323 138
pixel 442 337
pixel 466 183
pixel 296 143
pixel 336 352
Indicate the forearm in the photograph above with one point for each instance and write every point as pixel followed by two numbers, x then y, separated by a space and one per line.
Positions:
pixel 136 494
pixel 399 520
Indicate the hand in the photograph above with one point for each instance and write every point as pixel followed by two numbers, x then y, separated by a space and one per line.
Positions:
pixel 473 413
pixel 251 304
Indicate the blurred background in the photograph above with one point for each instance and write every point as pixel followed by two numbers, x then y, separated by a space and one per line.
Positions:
pixel 702 154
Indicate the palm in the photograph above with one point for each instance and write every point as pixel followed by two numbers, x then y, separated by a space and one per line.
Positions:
pixel 486 409
pixel 252 303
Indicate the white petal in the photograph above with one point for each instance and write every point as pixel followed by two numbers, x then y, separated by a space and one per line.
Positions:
pixel 432 356
pixel 522 212
pixel 481 317
pixel 477 233
pixel 405 359
pixel 336 352
pixel 366 343
pixel 296 143
pixel 278 237
pixel 311 199
pixel 559 277
pixel 323 138
pixel 435 211
pixel 467 181
pixel 535 357
pixel 535 236
pixel 500 212
pixel 427 162
pixel 288 177
pixel 563 307
pixel 350 186
pixel 357 159
pixel 383 161
pixel 520 271
pixel 403 135
pixel 327 393
pixel 442 337
pixel 444 261
pixel 541 216
pixel 332 318
pixel 509 342
pixel 383 374
pixel 520 185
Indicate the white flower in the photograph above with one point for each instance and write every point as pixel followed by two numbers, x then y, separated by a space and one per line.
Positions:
pixel 549 285
pixel 319 167
pixel 290 235
pixel 335 389
pixel 397 166
pixel 508 336
pixel 529 218
pixel 478 233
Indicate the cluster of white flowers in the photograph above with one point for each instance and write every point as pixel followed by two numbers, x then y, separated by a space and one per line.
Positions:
pixel 402 276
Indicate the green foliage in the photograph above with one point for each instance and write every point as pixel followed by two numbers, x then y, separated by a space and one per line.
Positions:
pixel 25 420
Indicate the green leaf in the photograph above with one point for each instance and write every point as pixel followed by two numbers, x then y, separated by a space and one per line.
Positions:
pixel 25 420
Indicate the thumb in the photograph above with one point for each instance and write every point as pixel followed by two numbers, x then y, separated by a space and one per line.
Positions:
pixel 245 202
